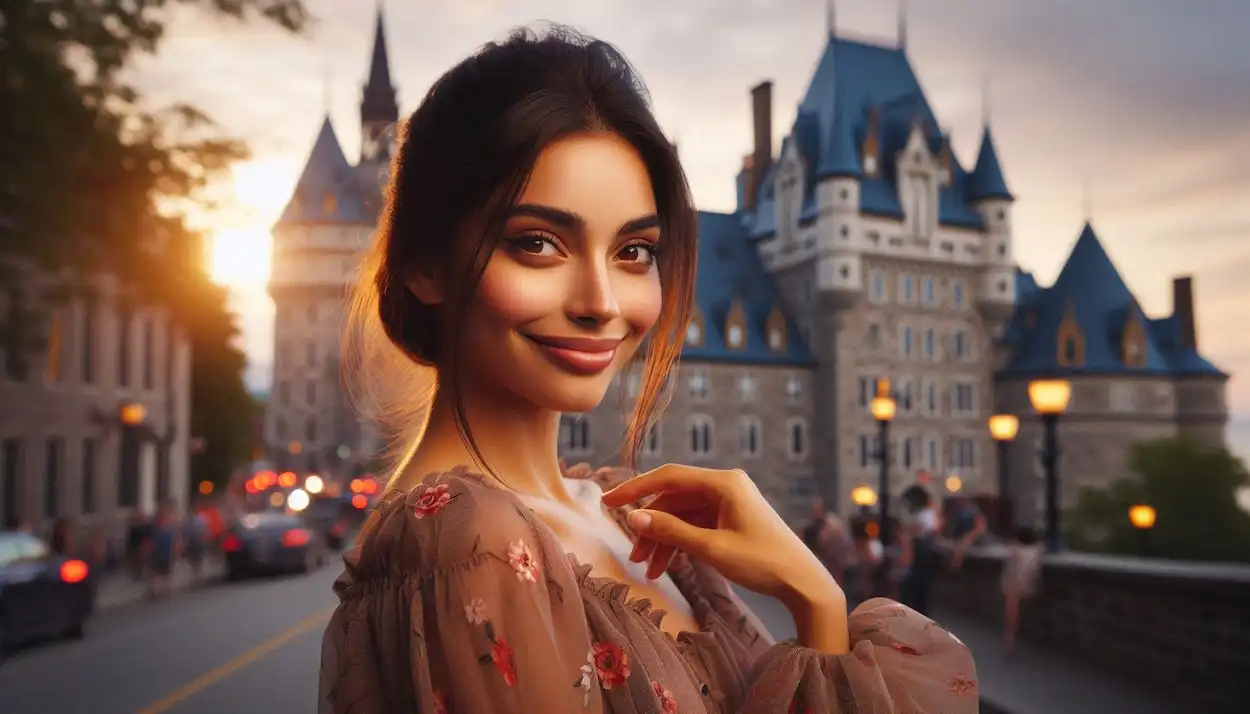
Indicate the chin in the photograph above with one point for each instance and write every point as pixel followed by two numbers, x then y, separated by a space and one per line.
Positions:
pixel 570 394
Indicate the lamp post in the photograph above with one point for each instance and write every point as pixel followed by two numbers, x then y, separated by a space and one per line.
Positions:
pixel 864 497
pixel 883 411
pixel 1143 519
pixel 1050 400
pixel 1003 427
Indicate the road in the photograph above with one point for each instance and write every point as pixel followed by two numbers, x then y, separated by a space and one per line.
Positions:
pixel 240 647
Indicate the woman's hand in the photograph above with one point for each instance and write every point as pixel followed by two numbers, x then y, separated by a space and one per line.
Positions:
pixel 721 518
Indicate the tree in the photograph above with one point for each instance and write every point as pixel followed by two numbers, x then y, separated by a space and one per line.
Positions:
pixel 1193 491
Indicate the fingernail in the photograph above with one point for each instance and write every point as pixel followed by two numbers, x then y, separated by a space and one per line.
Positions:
pixel 638 520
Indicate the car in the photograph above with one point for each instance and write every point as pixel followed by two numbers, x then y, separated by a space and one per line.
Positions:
pixel 332 516
pixel 271 542
pixel 42 595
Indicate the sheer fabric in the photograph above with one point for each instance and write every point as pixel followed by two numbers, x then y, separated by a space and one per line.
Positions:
pixel 460 600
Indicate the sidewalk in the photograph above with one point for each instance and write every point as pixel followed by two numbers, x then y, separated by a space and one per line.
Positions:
pixel 1037 681
pixel 118 589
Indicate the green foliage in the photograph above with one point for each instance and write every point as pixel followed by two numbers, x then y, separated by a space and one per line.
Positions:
pixel 1193 491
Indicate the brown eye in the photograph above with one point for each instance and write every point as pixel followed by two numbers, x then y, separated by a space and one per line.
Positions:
pixel 533 244
pixel 641 252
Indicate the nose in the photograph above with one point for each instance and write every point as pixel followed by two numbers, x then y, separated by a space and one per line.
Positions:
pixel 592 301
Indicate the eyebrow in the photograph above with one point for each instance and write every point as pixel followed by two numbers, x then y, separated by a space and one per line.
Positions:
pixel 573 221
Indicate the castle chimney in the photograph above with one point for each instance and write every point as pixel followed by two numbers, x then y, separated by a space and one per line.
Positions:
pixel 762 153
pixel 1183 310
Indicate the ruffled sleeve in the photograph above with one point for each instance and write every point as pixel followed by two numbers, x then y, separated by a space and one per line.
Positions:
pixel 455 602
pixel 900 661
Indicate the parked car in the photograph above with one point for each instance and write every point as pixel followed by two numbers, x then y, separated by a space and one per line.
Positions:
pixel 42 595
pixel 332 516
pixel 271 542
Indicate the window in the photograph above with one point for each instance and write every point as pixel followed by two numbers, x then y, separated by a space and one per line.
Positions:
pixel 311 393
pixel 867 390
pixel 651 444
pixel 963 400
pixel 922 198
pixel 310 354
pixel 905 395
pixel 908 455
pixel 794 388
pixel 906 290
pixel 90 313
pixel 279 427
pixel 959 345
pixel 796 442
pixel 963 454
pixel 870 164
pixel 698 384
pixel 927 294
pixel 310 429
pixel 874 336
pixel 11 453
pixel 284 393
pixel 735 336
pixel 694 331
pixel 52 478
pixel 701 428
pixel 930 398
pixel 88 476
pixel 930 348
pixel 905 346
pixel 957 293
pixel 933 453
pixel 125 321
pixel 575 435
pixel 876 283
pixel 749 442
pixel 868 448
pixel 55 370
pixel 776 339
pixel 747 387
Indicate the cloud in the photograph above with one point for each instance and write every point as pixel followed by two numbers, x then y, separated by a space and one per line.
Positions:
pixel 1139 108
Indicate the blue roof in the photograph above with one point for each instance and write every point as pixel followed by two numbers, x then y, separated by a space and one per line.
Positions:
pixel 729 270
pixel 327 190
pixel 1090 290
pixel 986 181
pixel 853 80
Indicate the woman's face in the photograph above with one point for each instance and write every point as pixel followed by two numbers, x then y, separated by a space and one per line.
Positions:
pixel 572 289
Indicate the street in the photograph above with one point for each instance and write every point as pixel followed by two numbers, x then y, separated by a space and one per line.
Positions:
pixel 252 646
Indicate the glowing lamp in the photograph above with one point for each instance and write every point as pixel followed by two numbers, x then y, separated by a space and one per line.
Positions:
pixel 1050 396
pixel 287 479
pixel 1003 427
pixel 295 447
pixel 314 484
pixel 863 496
pixel 298 500
pixel 1142 517
pixel 133 414
pixel 882 408
pixel 360 501
pixel 357 485
pixel 74 571
pixel 954 484
pixel 206 487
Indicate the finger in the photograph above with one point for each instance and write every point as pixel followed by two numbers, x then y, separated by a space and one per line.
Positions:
pixel 669 530
pixel 670 477
pixel 642 550
pixel 659 561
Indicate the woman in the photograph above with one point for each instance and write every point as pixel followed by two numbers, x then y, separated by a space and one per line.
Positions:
pixel 538 231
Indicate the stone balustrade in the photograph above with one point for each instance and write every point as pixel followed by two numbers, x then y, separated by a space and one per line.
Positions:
pixel 1181 627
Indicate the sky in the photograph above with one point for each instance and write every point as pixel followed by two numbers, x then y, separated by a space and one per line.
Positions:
pixel 1133 114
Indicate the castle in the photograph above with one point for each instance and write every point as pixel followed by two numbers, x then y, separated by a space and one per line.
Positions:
pixel 862 250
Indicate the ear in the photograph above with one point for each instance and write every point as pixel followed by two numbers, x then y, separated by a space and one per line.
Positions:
pixel 426 286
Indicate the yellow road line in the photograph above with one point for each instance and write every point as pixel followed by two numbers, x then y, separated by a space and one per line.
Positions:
pixel 225 670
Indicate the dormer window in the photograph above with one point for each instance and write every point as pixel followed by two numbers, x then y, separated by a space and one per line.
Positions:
pixel 694 331
pixel 330 205
pixel 944 163
pixel 1071 341
pixel 736 327
pixel 871 149
pixel 1133 344
pixel 776 330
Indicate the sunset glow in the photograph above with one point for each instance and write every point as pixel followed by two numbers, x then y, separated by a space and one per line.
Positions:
pixel 241 241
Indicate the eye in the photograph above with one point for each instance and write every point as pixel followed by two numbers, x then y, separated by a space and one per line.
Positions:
pixel 535 244
pixel 640 252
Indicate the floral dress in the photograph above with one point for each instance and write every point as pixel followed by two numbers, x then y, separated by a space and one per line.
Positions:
pixel 459 599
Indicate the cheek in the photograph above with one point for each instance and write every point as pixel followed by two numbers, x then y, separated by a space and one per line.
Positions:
pixel 641 301
pixel 508 295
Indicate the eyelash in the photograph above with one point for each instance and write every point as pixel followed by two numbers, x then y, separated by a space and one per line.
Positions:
pixel 517 242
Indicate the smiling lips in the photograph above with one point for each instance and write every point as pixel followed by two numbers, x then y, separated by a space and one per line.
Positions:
pixel 579 355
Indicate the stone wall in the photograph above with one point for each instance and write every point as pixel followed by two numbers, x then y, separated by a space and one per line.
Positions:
pixel 1181 627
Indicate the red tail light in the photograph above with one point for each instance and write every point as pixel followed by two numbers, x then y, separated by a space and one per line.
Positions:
pixel 295 538
pixel 231 543
pixel 360 501
pixel 74 571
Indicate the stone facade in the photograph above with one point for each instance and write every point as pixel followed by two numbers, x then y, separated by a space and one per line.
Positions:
pixel 64 449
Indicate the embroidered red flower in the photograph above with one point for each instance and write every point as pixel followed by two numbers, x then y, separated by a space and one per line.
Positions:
pixel 667 703
pixel 962 684
pixel 611 663
pixel 521 558
pixel 432 500
pixel 905 649
pixel 440 702
pixel 501 655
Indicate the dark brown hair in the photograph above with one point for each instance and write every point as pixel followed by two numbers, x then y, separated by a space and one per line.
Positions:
pixel 463 159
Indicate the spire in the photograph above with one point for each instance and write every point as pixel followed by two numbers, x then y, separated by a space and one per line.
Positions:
pixel 378 107
pixel 986 181
pixel 902 24
pixel 379 65
pixel 831 18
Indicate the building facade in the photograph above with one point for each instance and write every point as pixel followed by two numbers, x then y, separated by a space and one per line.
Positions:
pixel 96 417
pixel 862 250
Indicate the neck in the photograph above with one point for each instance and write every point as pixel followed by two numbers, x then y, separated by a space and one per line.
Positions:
pixel 515 442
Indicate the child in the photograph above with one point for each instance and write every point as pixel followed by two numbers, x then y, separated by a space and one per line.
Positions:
pixel 1020 574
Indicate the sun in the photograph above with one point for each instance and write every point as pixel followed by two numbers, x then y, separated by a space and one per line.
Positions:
pixel 241 242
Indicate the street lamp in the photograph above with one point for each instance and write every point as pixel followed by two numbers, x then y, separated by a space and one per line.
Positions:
pixel 1143 519
pixel 132 414
pixel 1050 399
pixel 883 411
pixel 1003 427
pixel 863 496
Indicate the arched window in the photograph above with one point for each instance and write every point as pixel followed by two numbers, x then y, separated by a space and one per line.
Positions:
pixel 1133 344
pixel 776 329
pixel 1070 341
pixel 736 327
pixel 750 442
pixel 796 438
pixel 701 431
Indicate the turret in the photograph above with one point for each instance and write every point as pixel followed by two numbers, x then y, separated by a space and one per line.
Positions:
pixel 988 192
pixel 378 107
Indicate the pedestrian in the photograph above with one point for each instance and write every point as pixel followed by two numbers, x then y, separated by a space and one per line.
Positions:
pixel 1021 571
pixel 138 537
pixel 923 528
pixel 967 525
pixel 163 550
pixel 195 537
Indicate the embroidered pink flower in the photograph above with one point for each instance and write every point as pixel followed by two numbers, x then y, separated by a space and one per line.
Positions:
pixel 668 704
pixel 501 655
pixel 432 500
pixel 522 560
pixel 961 684
pixel 611 663
pixel 440 702
pixel 475 611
